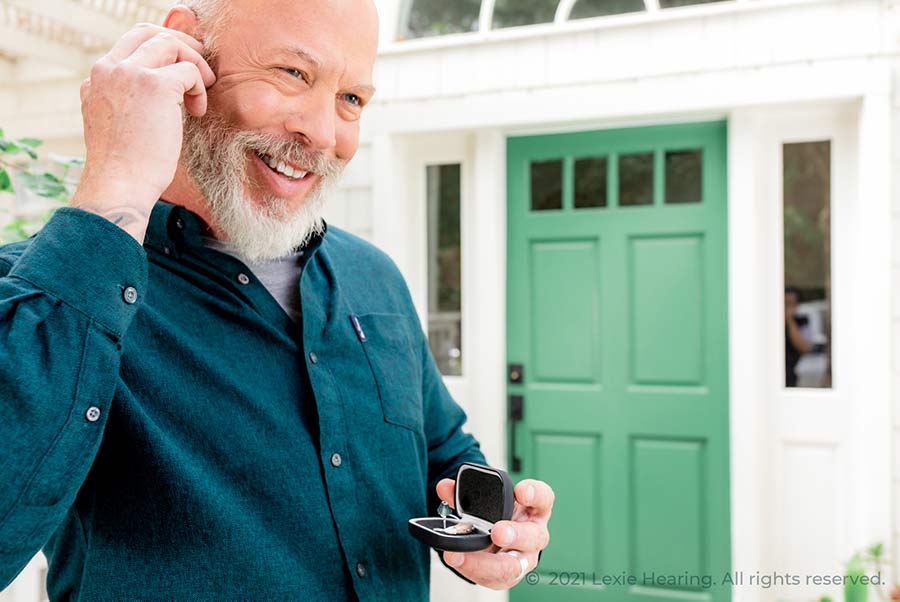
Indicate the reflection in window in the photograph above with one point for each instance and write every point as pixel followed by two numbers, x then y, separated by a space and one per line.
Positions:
pixel 546 185
pixel 444 276
pixel 512 13
pixel 590 182
pixel 684 176
pixel 675 3
pixel 636 179
pixel 422 18
pixel 584 9
pixel 807 264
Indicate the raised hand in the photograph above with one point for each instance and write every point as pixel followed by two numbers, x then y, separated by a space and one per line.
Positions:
pixel 131 106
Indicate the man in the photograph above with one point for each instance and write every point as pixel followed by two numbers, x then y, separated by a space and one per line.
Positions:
pixel 796 342
pixel 210 395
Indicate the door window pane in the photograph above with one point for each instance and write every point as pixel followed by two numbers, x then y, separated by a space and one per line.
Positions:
pixel 422 18
pixel 675 3
pixel 546 185
pixel 807 264
pixel 599 8
pixel 444 275
pixel 636 179
pixel 684 176
pixel 511 13
pixel 590 182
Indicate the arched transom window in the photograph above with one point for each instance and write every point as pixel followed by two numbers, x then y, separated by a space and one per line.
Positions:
pixel 423 18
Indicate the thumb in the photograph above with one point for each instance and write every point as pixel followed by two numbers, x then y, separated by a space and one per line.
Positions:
pixel 446 489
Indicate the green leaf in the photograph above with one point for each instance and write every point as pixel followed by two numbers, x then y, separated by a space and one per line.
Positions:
pixel 45 184
pixel 876 551
pixel 5 182
pixel 30 142
pixel 14 148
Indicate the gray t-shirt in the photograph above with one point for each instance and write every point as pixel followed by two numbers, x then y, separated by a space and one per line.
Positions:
pixel 281 277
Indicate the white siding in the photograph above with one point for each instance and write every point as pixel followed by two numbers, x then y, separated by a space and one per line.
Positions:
pixel 350 206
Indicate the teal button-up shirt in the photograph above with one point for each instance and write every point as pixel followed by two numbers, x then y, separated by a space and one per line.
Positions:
pixel 168 432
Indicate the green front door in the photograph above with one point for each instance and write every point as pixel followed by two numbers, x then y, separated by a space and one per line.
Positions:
pixel 617 335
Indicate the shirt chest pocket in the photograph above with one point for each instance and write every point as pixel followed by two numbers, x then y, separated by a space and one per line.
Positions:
pixel 396 366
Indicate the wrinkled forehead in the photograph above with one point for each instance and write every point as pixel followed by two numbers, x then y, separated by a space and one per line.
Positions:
pixel 333 29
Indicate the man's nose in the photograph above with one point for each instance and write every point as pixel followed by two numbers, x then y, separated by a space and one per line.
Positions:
pixel 314 119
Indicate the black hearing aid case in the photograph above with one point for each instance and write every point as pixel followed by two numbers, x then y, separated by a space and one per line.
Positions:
pixel 483 496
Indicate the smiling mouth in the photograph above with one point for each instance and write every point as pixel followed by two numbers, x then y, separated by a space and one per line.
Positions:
pixel 282 168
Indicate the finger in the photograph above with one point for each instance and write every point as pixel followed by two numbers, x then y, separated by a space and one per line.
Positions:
pixel 496 571
pixel 189 85
pixel 446 489
pixel 163 50
pixel 535 495
pixel 142 32
pixel 529 536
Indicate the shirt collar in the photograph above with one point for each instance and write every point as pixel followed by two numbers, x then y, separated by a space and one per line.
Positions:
pixel 173 230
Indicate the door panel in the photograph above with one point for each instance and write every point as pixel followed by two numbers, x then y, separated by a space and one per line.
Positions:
pixel 617 309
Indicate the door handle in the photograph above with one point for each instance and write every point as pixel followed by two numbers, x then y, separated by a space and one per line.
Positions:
pixel 516 414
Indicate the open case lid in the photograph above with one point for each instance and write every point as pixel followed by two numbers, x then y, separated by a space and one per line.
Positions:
pixel 483 494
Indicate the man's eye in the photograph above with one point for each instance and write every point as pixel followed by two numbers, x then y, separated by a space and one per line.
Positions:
pixel 353 99
pixel 294 72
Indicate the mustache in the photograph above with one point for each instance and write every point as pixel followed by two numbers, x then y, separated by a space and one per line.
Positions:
pixel 294 152
pixel 225 136
pixel 281 149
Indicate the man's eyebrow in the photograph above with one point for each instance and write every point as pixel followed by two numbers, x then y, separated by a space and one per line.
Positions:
pixel 363 89
pixel 304 54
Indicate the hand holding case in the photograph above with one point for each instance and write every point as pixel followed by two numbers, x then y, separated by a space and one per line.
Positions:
pixel 483 496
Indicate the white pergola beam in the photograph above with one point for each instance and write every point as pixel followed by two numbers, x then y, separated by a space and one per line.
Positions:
pixel 75 16
pixel 20 44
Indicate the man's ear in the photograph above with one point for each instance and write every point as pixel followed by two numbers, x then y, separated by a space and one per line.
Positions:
pixel 182 18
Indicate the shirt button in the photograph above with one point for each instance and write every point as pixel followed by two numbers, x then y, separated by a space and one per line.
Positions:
pixel 129 295
pixel 360 569
pixel 179 223
pixel 313 357
pixel 243 278
pixel 92 414
pixel 335 459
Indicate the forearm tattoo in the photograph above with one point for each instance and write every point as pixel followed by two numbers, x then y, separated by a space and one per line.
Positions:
pixel 123 216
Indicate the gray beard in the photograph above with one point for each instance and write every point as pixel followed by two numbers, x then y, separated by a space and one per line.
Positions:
pixel 215 156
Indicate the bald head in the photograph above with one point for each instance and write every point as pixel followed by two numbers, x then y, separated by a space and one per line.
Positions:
pixel 213 15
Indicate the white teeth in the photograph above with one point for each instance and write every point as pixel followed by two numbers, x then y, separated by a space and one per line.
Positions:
pixel 283 168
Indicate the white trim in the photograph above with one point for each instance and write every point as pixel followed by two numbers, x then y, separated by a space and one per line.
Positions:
pixel 563 10
pixel 745 357
pixel 873 367
pixel 486 17
pixel 660 96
